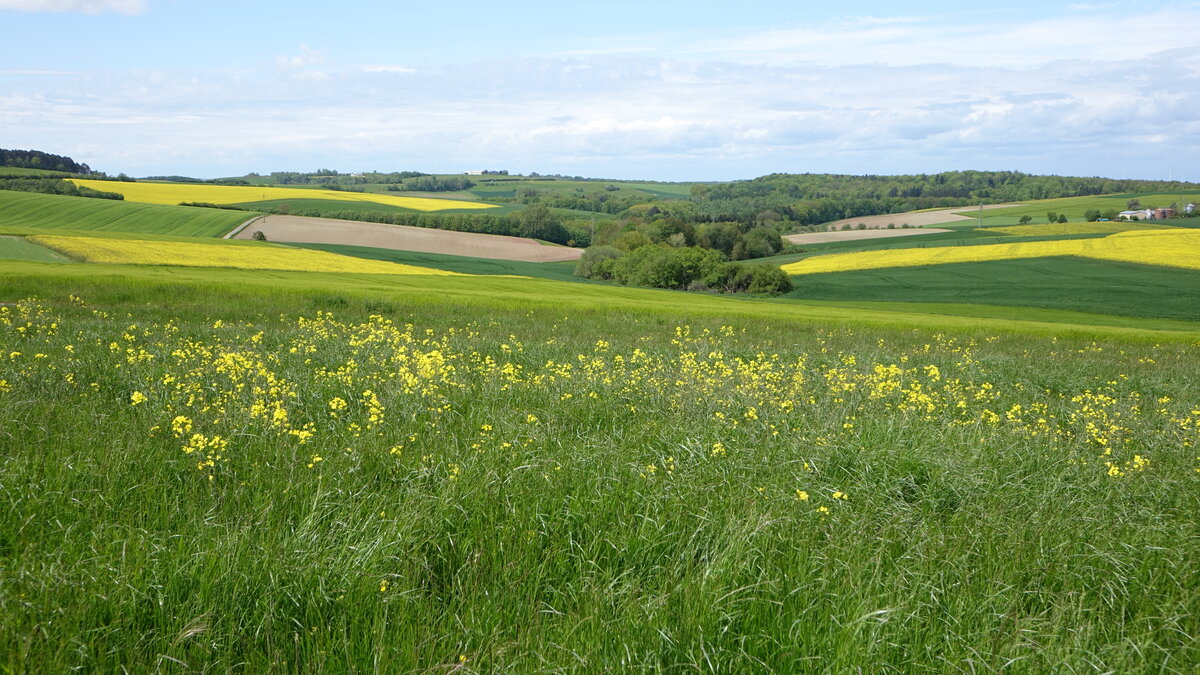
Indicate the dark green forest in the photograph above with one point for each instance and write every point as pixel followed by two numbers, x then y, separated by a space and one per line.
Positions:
pixel 810 198
pixel 36 159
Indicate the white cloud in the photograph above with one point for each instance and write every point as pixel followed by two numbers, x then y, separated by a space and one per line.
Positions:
pixel 721 110
pixel 130 7
pixel 901 41
pixel 393 69
pixel 307 57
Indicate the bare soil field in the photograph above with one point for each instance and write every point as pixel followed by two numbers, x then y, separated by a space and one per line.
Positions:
pixel 300 229
pixel 913 218
pixel 852 235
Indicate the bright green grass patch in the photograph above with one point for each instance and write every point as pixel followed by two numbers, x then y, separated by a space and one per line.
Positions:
pixel 417 482
pixel 1074 284
pixel 1066 229
pixel 16 248
pixel 30 213
pixel 960 236
pixel 16 171
pixel 19 279
pixel 561 271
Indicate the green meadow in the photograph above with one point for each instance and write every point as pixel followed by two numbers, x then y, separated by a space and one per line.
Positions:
pixel 20 172
pixel 16 248
pixel 523 474
pixel 898 471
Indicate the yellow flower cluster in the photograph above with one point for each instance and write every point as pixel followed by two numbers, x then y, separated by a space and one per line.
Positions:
pixel 219 254
pixel 380 386
pixel 175 193
pixel 1173 248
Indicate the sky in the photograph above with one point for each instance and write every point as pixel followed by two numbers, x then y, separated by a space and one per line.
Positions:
pixel 620 89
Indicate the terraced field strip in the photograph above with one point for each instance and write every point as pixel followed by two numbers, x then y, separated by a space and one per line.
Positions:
pixel 215 254
pixel 403 238
pixel 175 193
pixel 1171 248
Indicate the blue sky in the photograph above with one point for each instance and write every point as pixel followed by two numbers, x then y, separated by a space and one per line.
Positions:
pixel 655 90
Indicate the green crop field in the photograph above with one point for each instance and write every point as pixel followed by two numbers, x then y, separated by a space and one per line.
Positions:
pixel 27 212
pixel 18 172
pixel 958 236
pixel 1075 284
pixel 16 248
pixel 507 186
pixel 561 271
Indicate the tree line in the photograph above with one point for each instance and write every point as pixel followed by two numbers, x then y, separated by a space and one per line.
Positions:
pixel 810 199
pixel 55 186
pixel 36 159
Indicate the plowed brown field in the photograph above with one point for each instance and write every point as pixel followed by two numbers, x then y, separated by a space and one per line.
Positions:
pixel 299 229
pixel 915 218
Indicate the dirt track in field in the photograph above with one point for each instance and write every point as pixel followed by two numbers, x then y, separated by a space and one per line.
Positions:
pixel 854 235
pixel 298 229
pixel 914 218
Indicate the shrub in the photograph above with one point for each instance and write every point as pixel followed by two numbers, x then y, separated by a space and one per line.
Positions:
pixel 659 266
pixel 590 263
pixel 631 241
pixel 768 279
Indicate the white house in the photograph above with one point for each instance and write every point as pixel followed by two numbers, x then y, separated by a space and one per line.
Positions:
pixel 1140 214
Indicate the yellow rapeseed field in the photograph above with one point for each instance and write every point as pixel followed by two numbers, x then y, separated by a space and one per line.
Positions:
pixel 1172 248
pixel 213 254
pixel 1041 229
pixel 175 193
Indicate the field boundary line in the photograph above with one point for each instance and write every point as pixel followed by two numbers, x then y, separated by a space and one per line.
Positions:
pixel 243 226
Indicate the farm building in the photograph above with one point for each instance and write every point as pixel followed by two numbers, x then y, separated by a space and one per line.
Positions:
pixel 1146 214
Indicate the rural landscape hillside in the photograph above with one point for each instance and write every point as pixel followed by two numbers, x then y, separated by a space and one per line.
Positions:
pixel 537 337
pixel 330 422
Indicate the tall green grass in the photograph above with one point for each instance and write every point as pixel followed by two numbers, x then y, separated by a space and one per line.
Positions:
pixel 19 279
pixel 539 518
